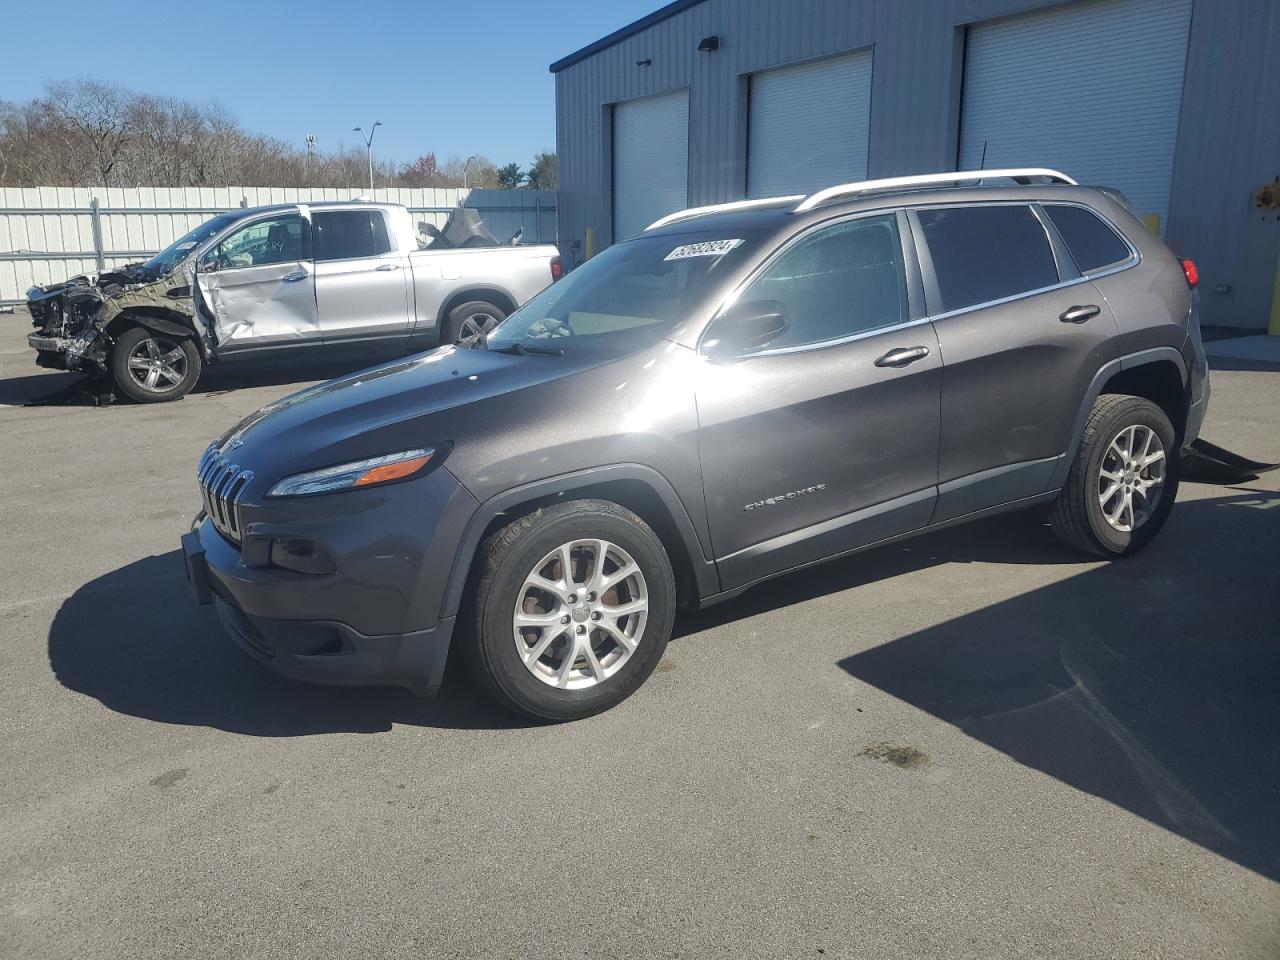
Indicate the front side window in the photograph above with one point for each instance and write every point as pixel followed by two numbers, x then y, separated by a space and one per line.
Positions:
pixel 985 253
pixel 349 234
pixel 272 240
pixel 1093 244
pixel 836 282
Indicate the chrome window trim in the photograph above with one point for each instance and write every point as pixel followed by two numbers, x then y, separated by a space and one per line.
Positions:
pixel 779 251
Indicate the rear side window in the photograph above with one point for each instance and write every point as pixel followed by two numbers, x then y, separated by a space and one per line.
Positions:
pixel 987 253
pixel 836 282
pixel 349 234
pixel 1093 244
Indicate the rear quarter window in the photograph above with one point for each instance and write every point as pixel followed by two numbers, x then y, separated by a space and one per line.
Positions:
pixel 1092 242
pixel 985 253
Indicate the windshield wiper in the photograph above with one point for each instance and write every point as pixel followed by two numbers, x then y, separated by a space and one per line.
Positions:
pixel 528 349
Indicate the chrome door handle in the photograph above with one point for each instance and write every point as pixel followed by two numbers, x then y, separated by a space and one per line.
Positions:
pixel 1079 314
pixel 902 356
pixel 295 276
pixel 388 266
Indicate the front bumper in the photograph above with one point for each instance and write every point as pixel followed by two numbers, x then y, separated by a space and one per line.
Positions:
pixel 62 353
pixel 320 651
pixel 375 619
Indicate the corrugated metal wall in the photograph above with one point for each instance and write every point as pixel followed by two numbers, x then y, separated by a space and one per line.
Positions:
pixel 47 235
pixel 1227 139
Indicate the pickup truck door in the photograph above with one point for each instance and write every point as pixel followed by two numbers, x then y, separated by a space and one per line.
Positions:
pixel 363 284
pixel 258 285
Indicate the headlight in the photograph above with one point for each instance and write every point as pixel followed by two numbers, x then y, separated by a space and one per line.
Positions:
pixel 360 473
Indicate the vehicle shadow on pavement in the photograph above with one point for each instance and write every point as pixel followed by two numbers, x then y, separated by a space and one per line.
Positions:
pixel 134 640
pixel 1150 683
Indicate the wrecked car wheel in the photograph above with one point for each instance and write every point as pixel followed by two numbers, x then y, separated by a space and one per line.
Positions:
pixel 151 367
pixel 469 321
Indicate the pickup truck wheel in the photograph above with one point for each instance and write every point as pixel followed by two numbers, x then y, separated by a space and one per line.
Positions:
pixel 152 367
pixel 1123 482
pixel 572 609
pixel 470 320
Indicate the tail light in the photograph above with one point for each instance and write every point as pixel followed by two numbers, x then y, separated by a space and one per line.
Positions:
pixel 1190 271
pixel 557 270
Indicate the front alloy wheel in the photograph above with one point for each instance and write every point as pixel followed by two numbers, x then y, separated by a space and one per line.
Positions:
pixel 580 614
pixel 157 364
pixel 571 607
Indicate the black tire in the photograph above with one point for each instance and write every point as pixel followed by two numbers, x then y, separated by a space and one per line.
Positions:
pixel 507 557
pixel 468 320
pixel 132 383
pixel 1077 517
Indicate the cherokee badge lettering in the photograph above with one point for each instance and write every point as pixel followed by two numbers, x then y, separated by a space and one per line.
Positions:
pixel 783 497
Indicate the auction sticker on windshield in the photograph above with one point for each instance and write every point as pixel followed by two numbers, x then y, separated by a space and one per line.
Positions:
pixel 708 248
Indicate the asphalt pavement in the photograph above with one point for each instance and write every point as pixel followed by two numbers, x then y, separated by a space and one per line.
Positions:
pixel 972 744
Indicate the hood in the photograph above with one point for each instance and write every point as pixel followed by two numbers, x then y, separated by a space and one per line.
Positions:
pixel 385 409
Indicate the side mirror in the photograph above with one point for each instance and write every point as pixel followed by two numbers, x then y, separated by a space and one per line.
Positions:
pixel 208 265
pixel 744 327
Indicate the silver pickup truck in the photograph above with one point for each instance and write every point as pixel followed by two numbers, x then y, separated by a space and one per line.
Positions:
pixel 350 274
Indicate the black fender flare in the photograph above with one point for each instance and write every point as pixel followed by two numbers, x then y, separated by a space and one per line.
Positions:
pixel 566 485
pixel 1105 373
pixel 160 325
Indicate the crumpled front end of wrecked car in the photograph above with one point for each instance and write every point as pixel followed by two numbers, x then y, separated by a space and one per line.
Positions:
pixel 77 317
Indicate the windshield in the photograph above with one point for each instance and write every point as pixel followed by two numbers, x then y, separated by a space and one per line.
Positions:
pixel 630 294
pixel 176 252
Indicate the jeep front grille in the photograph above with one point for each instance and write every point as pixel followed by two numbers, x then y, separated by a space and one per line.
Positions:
pixel 221 485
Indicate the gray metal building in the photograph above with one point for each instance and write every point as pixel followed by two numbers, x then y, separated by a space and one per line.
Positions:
pixel 1175 102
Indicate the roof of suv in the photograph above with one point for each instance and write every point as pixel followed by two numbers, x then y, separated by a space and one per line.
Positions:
pixel 784 214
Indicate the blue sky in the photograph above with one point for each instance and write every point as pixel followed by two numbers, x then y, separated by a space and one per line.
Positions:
pixel 452 76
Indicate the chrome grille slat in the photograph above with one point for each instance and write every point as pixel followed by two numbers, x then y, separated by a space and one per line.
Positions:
pixel 222 484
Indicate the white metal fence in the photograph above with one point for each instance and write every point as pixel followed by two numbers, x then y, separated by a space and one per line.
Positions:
pixel 48 234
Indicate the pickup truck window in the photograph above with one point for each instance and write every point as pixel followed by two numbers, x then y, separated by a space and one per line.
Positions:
pixel 349 234
pixel 642 287
pixel 271 240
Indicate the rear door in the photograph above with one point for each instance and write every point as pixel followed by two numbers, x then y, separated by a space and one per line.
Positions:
pixel 1021 334
pixel 363 285
pixel 258 284
pixel 825 439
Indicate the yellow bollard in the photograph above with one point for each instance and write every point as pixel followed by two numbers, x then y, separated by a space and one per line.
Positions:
pixel 1152 220
pixel 590 245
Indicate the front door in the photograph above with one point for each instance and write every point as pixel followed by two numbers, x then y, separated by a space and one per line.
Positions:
pixel 362 284
pixel 257 284
pixel 826 438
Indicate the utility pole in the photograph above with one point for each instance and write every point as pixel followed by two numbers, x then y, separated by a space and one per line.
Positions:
pixel 368 146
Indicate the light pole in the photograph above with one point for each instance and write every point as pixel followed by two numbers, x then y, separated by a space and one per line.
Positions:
pixel 465 167
pixel 368 146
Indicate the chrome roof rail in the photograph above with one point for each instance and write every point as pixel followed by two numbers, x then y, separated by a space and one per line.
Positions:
pixel 723 208
pixel 1020 174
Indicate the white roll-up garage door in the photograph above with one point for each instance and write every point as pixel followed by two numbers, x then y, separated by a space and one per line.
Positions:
pixel 1092 89
pixel 808 125
pixel 650 161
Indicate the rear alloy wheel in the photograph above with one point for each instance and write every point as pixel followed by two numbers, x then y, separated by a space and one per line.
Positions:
pixel 571 610
pixel 1124 480
pixel 152 367
pixel 471 321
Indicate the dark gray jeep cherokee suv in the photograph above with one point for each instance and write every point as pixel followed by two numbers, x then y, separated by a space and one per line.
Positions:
pixel 737 392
